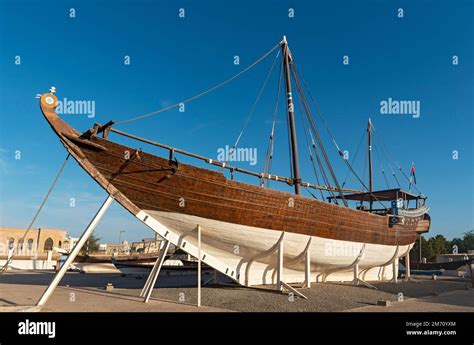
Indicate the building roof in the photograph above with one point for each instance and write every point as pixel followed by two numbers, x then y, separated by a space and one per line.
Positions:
pixel 34 229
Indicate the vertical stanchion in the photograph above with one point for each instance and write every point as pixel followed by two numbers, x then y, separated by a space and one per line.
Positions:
pixel 356 275
pixel 407 266
pixel 307 271
pixel 394 270
pixel 199 266
pixel 85 236
pixel 279 265
pixel 420 247
pixel 472 272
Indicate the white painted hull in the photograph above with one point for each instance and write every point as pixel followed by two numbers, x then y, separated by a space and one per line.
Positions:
pixel 236 251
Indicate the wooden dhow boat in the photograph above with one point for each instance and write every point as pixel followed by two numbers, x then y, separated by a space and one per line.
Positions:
pixel 252 233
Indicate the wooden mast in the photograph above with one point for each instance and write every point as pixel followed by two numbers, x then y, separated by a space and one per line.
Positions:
pixel 369 138
pixel 291 117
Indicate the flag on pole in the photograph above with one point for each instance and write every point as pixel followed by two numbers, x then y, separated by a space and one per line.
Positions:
pixel 412 173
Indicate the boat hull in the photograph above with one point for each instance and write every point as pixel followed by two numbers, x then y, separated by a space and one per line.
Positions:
pixel 243 225
pixel 236 251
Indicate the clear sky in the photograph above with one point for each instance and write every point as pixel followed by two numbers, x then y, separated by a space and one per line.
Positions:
pixel 172 58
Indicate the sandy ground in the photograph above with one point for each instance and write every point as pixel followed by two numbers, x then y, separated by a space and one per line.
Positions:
pixel 86 292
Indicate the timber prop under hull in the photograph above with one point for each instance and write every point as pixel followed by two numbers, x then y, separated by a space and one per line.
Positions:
pixel 241 224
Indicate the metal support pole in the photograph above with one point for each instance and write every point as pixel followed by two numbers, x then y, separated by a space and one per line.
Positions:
pixel 152 273
pixel 199 266
pixel 279 265
pixel 407 266
pixel 307 271
pixel 395 272
pixel 420 247
pixel 150 277
pixel 356 275
pixel 85 236
pixel 155 272
pixel 472 273
pixel 9 260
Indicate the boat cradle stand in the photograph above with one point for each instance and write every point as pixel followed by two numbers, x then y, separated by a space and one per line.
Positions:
pixel 70 259
pixel 146 292
pixel 153 276
pixel 280 284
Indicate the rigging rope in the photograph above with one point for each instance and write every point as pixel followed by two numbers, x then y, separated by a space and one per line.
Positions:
pixel 4 268
pixel 388 161
pixel 318 138
pixel 295 71
pixel 381 165
pixel 385 149
pixel 321 116
pixel 306 131
pixel 354 158
pixel 269 155
pixel 204 92
pixel 252 110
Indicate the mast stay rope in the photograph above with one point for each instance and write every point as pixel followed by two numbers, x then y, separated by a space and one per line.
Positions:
pixel 228 80
pixel 5 266
pixel 271 143
pixel 254 106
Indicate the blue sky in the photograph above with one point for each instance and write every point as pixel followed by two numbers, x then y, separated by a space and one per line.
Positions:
pixel 173 58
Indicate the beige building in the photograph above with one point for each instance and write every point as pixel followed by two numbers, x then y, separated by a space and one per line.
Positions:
pixel 453 257
pixel 36 242
pixel 146 246
pixel 115 248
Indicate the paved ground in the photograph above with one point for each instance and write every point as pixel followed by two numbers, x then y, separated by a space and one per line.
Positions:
pixel 453 301
pixel 85 292
pixel 321 297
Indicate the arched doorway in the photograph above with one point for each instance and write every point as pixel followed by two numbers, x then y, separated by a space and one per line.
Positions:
pixel 48 244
